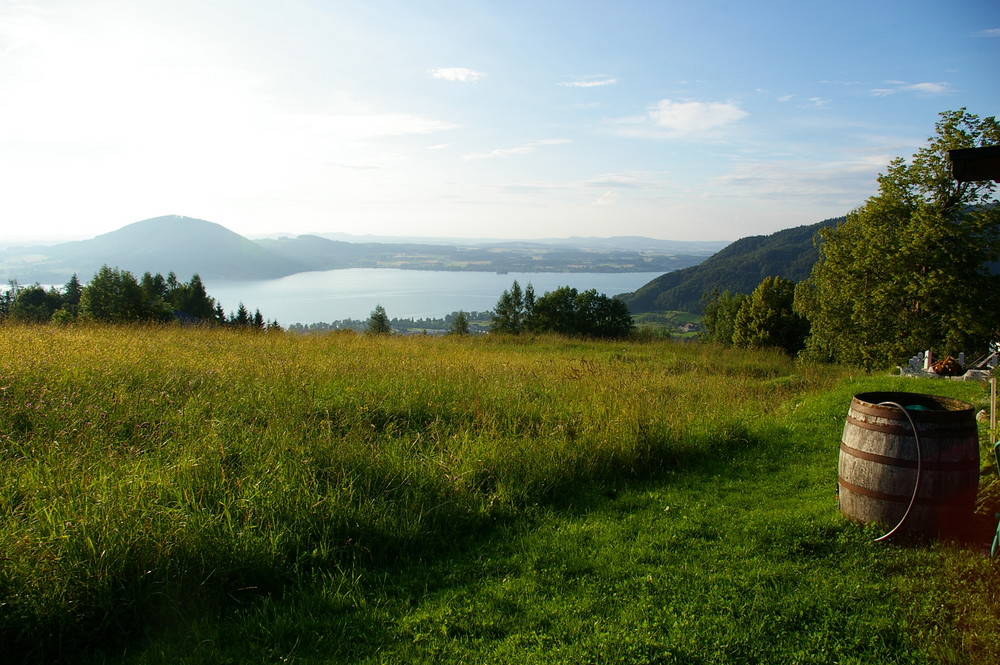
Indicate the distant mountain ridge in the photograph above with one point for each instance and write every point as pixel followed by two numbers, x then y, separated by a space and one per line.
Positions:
pixel 737 268
pixel 186 246
pixel 173 243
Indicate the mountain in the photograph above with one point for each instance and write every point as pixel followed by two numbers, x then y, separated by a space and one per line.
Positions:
pixel 737 268
pixel 621 254
pixel 635 243
pixel 187 246
pixel 163 244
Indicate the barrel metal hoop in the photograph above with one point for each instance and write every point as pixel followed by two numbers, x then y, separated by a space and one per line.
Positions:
pixel 959 465
pixel 904 430
pixel 879 496
pixel 959 416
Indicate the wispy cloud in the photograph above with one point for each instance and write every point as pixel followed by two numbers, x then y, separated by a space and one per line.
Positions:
pixel 814 181
pixel 590 81
pixel 362 127
pixel 670 119
pixel 695 116
pixel 925 88
pixel 630 180
pixel 460 74
pixel 519 150
pixel 991 32
pixel 608 198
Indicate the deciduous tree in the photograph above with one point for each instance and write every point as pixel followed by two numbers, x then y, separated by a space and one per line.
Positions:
pixel 766 318
pixel 112 295
pixel 909 270
pixel 720 311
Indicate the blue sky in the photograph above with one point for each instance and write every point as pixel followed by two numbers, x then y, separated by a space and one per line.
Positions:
pixel 504 119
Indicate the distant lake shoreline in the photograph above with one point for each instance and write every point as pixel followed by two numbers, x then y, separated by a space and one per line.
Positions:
pixel 352 293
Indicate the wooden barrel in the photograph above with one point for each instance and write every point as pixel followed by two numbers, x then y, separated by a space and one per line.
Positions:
pixel 878 462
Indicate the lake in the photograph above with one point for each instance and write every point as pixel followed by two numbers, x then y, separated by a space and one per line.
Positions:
pixel 333 295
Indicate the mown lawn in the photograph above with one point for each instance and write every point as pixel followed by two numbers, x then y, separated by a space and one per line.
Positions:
pixel 175 495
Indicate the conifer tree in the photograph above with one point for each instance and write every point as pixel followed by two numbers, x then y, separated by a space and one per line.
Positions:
pixel 378 322
pixel 460 324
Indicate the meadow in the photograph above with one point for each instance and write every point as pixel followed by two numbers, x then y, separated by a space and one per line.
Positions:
pixel 185 495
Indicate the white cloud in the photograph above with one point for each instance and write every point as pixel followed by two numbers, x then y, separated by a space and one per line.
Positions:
pixel 460 74
pixel 991 32
pixel 929 88
pixel 687 117
pixel 589 82
pixel 519 150
pixel 786 98
pixel 670 119
pixel 608 198
pixel 630 180
pixel 925 88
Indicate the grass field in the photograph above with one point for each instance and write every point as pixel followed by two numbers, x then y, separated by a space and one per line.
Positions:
pixel 175 495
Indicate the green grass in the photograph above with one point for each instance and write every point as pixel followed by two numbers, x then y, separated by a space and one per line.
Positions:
pixel 172 495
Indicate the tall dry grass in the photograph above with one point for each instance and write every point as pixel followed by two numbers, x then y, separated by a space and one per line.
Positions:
pixel 149 472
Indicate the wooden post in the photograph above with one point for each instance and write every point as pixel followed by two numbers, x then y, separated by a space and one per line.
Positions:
pixel 993 406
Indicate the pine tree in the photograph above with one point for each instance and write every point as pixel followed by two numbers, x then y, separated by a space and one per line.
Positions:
pixel 378 322
pixel 460 324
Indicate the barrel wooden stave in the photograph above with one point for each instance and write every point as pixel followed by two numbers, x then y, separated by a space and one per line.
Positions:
pixel 878 462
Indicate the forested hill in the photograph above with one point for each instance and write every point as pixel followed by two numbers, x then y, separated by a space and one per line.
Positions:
pixel 738 268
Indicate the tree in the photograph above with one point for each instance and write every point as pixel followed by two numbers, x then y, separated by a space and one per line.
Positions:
pixel 7 297
pixel 460 324
pixel 154 298
pixel 219 314
pixel 378 322
pixel 33 304
pixel 71 294
pixel 556 312
pixel 242 317
pixel 112 295
pixel 908 270
pixel 597 315
pixel 566 311
pixel 766 318
pixel 509 313
pixel 193 300
pixel 720 315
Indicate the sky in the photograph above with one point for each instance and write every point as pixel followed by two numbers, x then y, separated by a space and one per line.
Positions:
pixel 709 120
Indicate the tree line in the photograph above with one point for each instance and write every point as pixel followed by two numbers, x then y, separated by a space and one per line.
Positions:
pixel 478 322
pixel 565 311
pixel 914 268
pixel 116 296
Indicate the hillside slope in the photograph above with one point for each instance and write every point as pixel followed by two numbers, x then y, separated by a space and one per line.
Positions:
pixel 738 268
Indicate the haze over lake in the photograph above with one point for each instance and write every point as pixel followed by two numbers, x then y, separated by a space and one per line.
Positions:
pixel 332 295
